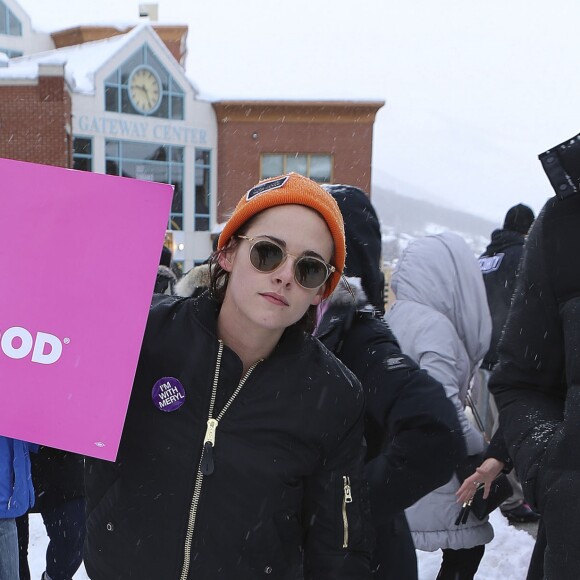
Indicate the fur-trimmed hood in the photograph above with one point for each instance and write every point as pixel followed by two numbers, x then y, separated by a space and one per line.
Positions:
pixel 190 283
pixel 348 290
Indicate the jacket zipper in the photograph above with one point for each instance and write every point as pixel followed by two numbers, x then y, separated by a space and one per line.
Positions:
pixel 206 466
pixel 346 498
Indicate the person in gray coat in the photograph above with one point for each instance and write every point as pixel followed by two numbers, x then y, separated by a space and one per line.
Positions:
pixel 442 321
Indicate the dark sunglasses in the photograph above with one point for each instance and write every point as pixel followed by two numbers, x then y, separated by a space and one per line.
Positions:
pixel 266 256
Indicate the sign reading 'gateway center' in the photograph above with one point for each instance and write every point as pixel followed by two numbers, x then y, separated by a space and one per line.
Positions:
pixel 123 127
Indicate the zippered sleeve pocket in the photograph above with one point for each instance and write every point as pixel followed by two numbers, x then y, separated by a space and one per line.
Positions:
pixel 346 499
pixel 353 503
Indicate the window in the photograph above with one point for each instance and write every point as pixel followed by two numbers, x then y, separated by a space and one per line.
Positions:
pixel 118 96
pixel 317 167
pixel 9 24
pixel 83 153
pixel 202 189
pixel 150 162
pixel 11 53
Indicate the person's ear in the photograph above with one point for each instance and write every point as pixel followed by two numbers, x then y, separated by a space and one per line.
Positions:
pixel 225 260
pixel 317 299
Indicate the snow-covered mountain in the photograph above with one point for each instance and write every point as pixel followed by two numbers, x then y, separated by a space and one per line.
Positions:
pixel 404 219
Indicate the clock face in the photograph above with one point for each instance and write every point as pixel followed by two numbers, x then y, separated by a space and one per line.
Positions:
pixel 145 89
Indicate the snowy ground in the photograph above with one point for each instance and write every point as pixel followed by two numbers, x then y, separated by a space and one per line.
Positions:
pixel 506 558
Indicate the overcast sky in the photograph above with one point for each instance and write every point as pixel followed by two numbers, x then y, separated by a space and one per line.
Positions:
pixel 474 90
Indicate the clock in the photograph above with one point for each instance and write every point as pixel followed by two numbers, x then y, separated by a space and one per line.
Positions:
pixel 144 87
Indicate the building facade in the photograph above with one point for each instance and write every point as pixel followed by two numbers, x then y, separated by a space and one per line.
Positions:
pixel 330 142
pixel 117 101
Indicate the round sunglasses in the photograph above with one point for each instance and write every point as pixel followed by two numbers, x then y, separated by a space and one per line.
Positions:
pixel 266 256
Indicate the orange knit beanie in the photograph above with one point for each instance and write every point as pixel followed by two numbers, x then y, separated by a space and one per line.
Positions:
pixel 291 189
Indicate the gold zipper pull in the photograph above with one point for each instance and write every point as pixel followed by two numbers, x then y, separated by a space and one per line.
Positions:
pixel 207 464
pixel 212 425
pixel 347 489
pixel 346 498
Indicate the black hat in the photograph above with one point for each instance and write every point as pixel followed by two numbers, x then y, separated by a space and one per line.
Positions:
pixel 362 231
pixel 519 218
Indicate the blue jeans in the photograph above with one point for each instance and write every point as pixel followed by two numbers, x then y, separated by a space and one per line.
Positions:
pixel 8 550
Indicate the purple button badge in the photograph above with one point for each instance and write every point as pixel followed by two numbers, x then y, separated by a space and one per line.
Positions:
pixel 168 394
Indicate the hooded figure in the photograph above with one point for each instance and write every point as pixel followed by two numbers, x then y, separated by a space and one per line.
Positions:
pixel 442 320
pixel 362 231
pixel 411 428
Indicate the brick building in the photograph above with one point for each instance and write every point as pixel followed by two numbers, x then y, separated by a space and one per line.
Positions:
pixel 43 133
pixel 330 142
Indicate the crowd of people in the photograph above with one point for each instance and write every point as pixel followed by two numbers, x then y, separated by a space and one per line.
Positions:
pixel 316 436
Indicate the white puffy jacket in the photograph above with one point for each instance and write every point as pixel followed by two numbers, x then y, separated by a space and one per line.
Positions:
pixel 442 320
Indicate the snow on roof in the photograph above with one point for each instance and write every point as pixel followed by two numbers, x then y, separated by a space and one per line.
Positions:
pixel 26 72
pixel 81 61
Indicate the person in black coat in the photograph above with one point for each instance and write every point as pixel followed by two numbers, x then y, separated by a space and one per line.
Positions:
pixel 411 428
pixel 536 383
pixel 242 451
pixel 499 266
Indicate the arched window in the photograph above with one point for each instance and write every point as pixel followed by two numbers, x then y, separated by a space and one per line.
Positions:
pixel 142 86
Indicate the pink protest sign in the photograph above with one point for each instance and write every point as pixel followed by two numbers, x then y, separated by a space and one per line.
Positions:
pixel 79 252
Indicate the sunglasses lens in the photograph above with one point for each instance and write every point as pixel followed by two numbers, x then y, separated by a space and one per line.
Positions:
pixel 310 273
pixel 266 256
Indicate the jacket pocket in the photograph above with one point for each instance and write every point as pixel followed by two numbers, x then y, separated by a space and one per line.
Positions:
pixel 354 517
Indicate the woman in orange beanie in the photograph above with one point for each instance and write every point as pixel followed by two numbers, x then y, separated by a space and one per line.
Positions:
pixel 242 451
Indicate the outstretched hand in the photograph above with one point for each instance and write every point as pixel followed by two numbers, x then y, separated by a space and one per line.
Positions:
pixel 484 474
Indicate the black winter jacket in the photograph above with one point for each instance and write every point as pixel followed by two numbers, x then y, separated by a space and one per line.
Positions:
pixel 412 431
pixel 499 266
pixel 287 461
pixel 537 381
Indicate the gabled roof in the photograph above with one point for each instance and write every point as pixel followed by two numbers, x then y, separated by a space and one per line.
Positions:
pixel 83 61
